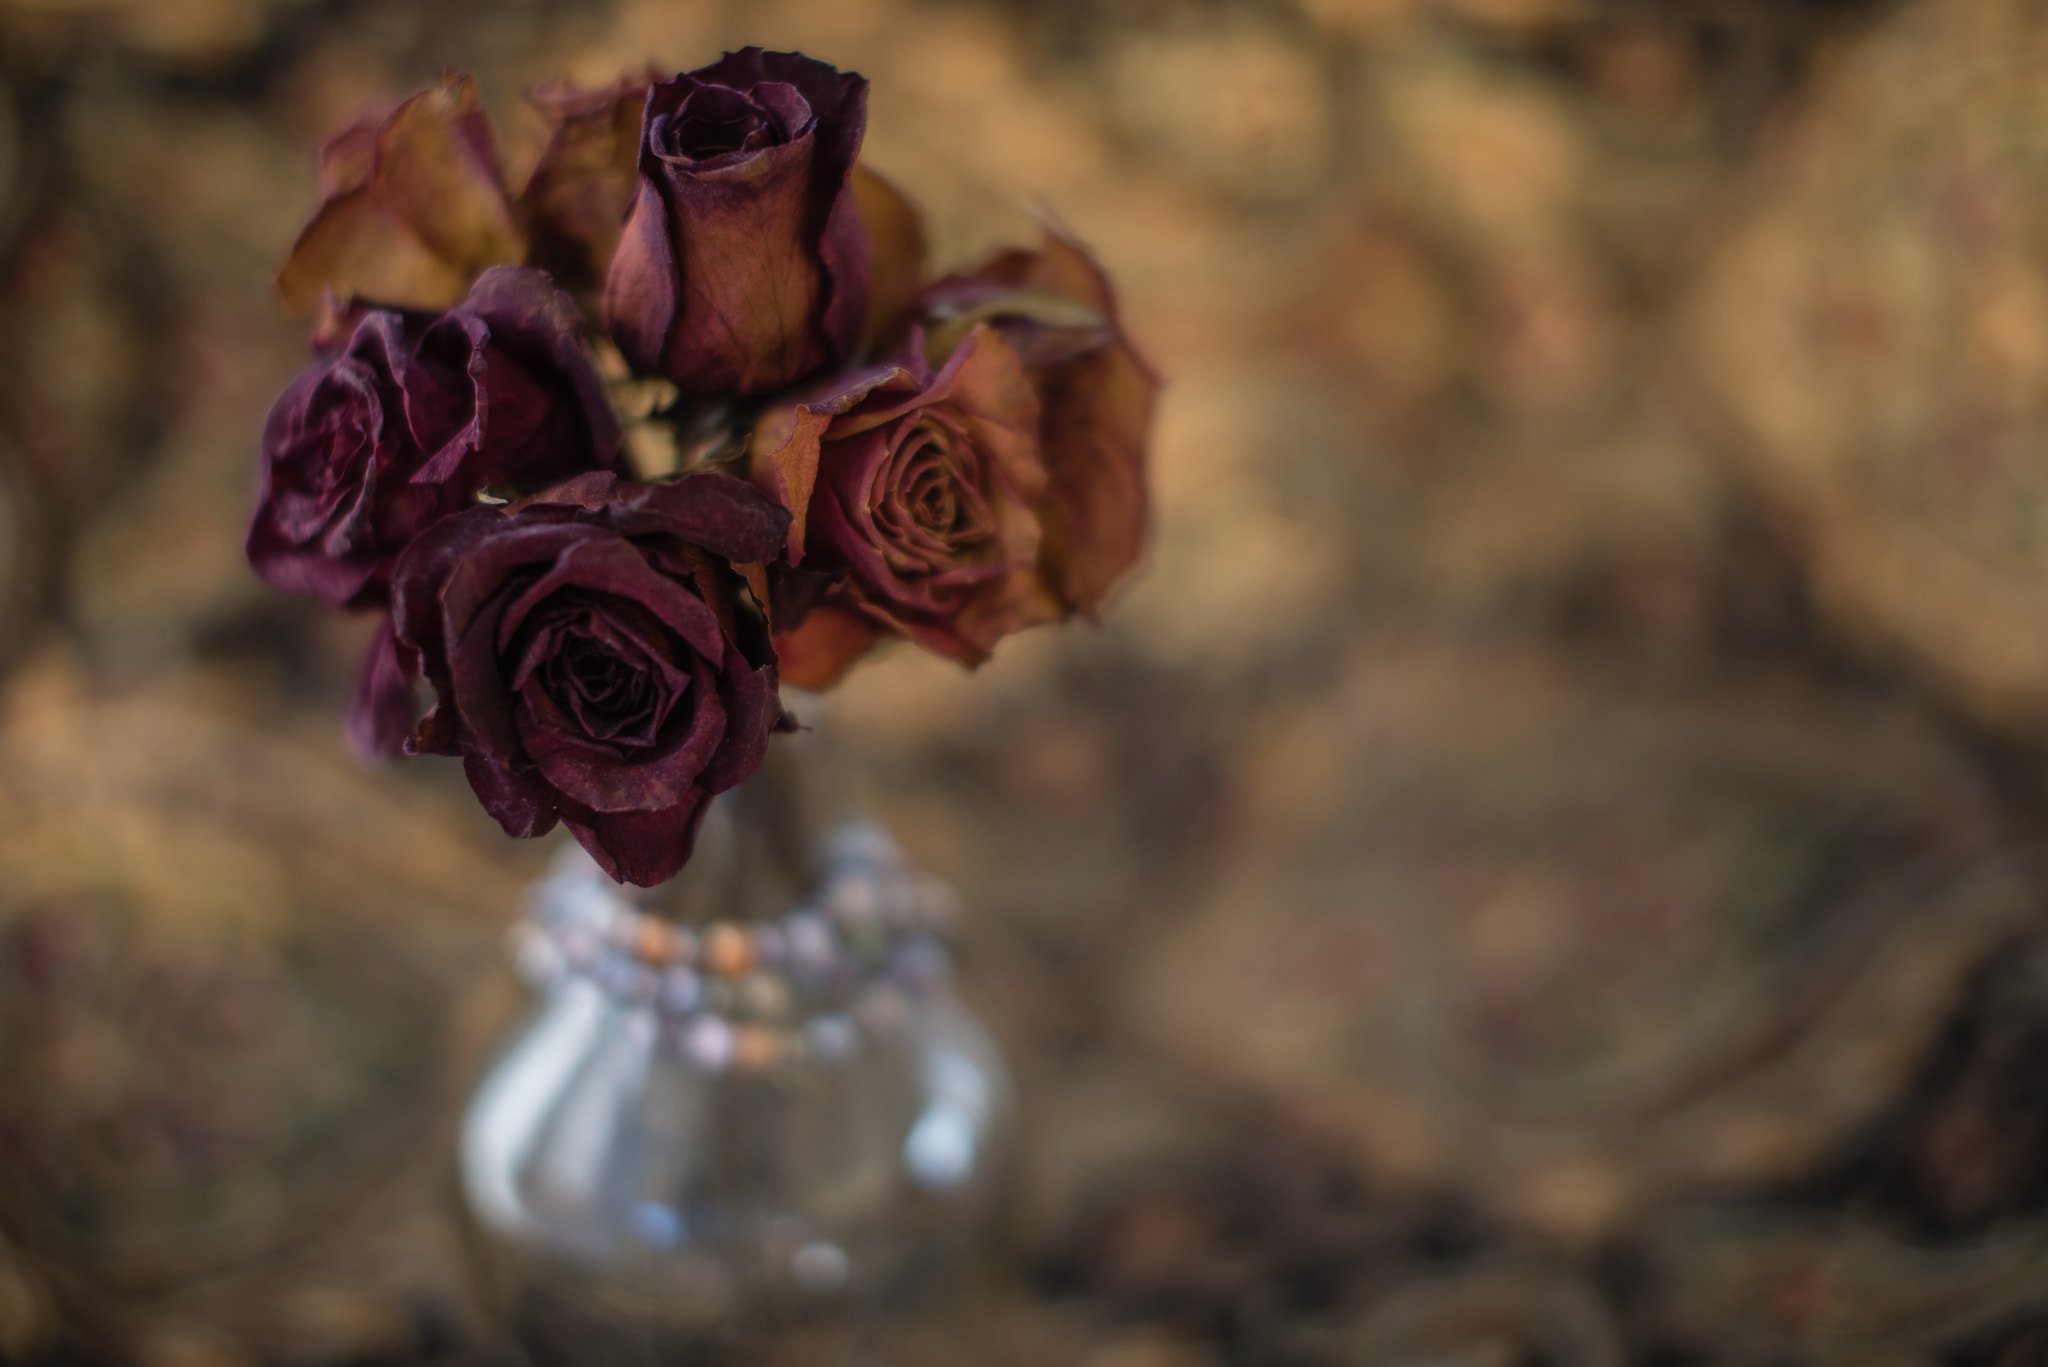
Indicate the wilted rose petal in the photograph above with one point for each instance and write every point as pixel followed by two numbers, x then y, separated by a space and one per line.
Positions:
pixel 384 710
pixel 743 265
pixel 576 200
pixel 501 384
pixel 896 252
pixel 414 208
pixel 1056 308
pixel 824 644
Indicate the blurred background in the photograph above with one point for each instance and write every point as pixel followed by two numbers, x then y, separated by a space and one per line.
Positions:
pixel 1540 868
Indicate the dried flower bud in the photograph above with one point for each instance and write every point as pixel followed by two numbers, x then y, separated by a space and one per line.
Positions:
pixel 413 208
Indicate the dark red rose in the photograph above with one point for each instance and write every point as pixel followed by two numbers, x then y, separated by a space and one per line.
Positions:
pixel 408 418
pixel 593 661
pixel 914 497
pixel 1055 307
pixel 744 265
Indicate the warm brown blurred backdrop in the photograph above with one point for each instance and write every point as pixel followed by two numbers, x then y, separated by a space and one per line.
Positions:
pixel 1539 868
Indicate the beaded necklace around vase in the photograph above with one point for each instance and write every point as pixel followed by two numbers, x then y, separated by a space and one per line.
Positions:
pixel 751 996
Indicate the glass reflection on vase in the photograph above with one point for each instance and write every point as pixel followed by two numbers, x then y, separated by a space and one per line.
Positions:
pixel 719 1125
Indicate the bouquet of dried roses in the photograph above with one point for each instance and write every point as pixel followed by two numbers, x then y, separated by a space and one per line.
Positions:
pixel 860 453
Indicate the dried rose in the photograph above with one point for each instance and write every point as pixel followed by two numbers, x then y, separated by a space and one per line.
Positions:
pixel 592 659
pixel 914 496
pixel 1055 307
pixel 743 265
pixel 413 208
pixel 335 502
pixel 575 201
pixel 896 257
pixel 409 418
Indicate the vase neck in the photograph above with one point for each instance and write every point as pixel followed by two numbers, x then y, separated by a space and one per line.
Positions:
pixel 754 852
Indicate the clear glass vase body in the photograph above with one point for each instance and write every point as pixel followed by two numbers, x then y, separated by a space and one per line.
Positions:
pixel 718 1124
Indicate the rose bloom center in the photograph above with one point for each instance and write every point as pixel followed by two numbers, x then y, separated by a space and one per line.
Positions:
pixel 613 671
pixel 718 121
pixel 937 509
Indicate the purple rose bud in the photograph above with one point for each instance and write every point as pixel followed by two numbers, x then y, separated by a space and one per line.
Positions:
pixel 744 264
pixel 408 418
pixel 592 659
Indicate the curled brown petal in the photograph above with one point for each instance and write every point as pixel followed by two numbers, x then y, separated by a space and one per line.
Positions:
pixel 575 201
pixel 1056 308
pixel 415 208
pixel 818 652
pixel 896 252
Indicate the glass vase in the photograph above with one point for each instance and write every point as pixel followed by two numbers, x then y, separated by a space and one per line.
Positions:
pixel 747 1100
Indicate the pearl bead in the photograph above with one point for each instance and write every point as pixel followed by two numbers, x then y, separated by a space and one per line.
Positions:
pixel 754 1048
pixel 680 989
pixel 727 951
pixel 655 942
pixel 709 1043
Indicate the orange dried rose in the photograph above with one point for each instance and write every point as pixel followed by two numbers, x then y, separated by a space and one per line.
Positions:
pixel 1054 306
pixel 413 208
pixel 575 201
pixel 913 493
